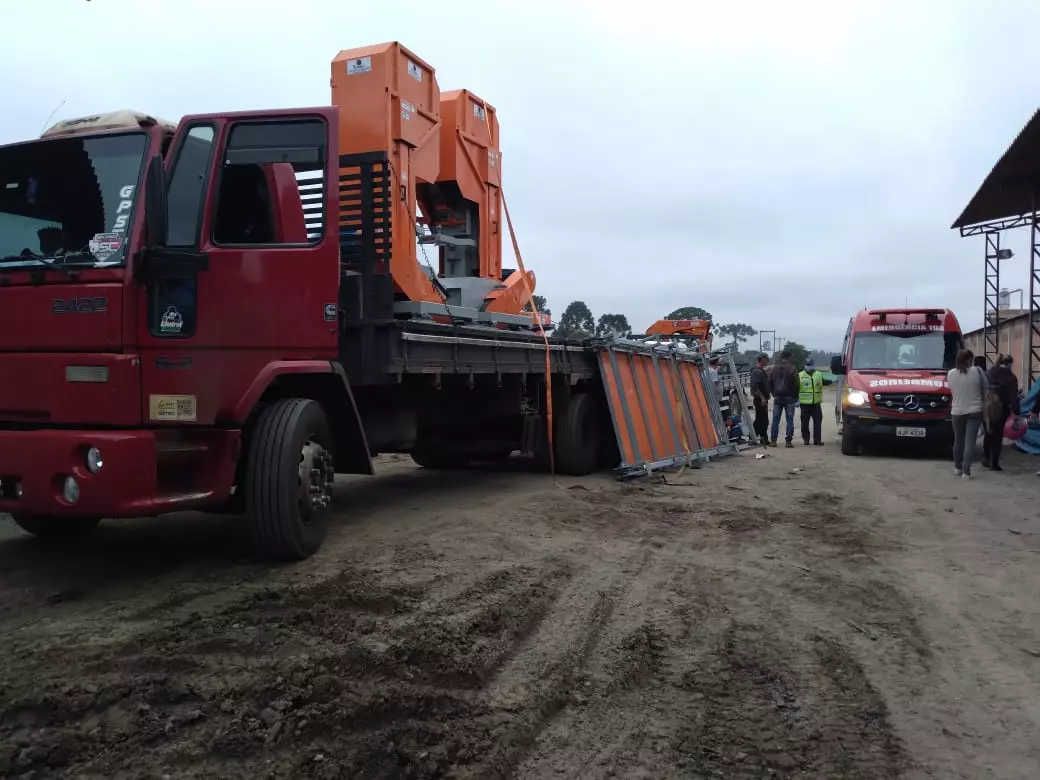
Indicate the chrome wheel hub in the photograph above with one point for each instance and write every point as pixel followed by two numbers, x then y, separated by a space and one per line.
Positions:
pixel 316 477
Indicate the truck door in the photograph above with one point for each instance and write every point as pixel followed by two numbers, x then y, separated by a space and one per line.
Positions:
pixel 250 272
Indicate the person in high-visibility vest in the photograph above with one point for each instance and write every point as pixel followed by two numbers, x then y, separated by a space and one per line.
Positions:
pixel 810 398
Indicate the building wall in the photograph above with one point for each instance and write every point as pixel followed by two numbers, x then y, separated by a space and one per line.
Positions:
pixel 1014 341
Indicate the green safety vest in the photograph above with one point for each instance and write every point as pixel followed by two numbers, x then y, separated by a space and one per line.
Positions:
pixel 810 387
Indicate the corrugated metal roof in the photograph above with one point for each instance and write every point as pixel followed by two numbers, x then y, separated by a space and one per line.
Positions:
pixel 1007 190
pixel 1003 321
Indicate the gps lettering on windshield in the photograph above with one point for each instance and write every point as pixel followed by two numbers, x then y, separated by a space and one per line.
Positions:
pixel 123 209
pixel 79 305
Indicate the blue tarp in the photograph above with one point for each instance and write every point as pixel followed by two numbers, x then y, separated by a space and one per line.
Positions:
pixel 1030 443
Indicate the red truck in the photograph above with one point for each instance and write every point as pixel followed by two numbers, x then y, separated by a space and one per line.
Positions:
pixel 225 312
pixel 892 376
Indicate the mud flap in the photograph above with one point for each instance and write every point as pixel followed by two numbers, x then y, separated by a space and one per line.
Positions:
pixel 662 407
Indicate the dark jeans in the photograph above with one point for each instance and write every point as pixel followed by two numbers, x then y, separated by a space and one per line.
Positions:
pixel 965 432
pixel 761 420
pixel 993 443
pixel 785 407
pixel 814 413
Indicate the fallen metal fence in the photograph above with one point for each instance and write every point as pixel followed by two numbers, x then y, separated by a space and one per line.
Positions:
pixel 664 410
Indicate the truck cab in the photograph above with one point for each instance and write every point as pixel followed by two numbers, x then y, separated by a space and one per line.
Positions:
pixel 893 377
pixel 155 280
pixel 69 216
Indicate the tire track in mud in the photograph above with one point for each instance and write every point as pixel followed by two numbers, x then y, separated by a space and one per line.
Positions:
pixel 678 679
pixel 644 635
pixel 544 676
pixel 351 669
pixel 627 700
pixel 852 587
pixel 787 706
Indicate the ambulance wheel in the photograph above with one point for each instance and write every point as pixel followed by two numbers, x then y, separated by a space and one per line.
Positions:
pixel 579 436
pixel 849 441
pixel 289 479
pixel 49 527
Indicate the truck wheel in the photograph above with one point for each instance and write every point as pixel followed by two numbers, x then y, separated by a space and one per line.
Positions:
pixel 849 441
pixel 579 436
pixel 290 476
pixel 48 527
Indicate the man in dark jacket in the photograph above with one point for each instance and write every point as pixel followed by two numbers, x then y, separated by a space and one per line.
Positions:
pixel 783 385
pixel 760 395
pixel 1004 385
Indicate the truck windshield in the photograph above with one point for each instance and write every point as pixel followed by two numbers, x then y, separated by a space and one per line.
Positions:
pixel 69 200
pixel 933 351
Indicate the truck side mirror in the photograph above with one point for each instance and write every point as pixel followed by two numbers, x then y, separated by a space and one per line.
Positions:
pixel 838 365
pixel 155 207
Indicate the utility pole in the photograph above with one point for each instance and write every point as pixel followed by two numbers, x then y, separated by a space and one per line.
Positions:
pixel 764 344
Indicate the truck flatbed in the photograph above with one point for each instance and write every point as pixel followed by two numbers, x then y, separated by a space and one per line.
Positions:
pixel 428 347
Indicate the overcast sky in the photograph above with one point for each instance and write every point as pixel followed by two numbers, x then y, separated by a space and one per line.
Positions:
pixel 781 165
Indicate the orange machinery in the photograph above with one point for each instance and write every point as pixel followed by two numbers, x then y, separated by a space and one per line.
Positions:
pixel 444 179
pixel 684 330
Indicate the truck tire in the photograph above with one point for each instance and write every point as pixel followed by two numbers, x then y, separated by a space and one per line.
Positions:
pixel 48 527
pixel 849 441
pixel 289 479
pixel 579 436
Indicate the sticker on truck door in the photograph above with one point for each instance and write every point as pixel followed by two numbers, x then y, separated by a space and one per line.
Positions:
pixel 104 245
pixel 172 321
pixel 172 408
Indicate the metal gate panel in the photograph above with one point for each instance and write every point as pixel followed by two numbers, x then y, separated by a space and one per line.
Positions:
pixel 663 412
pixel 676 387
pixel 618 406
pixel 693 382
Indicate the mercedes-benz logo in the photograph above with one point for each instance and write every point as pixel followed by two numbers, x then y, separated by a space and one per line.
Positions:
pixel 911 402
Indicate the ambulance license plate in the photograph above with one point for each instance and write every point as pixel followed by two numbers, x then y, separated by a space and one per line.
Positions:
pixel 913 433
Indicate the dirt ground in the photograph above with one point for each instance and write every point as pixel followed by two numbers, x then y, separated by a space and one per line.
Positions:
pixel 802 615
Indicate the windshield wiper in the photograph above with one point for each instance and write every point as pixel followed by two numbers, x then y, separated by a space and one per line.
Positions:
pixel 41 260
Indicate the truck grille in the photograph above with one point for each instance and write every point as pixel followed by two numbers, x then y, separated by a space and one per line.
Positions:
pixel 911 403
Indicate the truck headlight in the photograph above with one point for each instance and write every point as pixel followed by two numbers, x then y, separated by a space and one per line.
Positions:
pixel 857 398
pixel 94 460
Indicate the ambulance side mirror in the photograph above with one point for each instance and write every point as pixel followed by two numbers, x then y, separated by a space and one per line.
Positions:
pixel 838 365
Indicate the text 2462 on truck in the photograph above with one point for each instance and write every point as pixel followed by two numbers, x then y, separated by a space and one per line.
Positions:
pixel 893 366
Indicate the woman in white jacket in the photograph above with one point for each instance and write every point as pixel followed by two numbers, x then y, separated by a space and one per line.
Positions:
pixel 968 387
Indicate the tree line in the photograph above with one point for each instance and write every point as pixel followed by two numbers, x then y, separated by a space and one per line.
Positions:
pixel 578 321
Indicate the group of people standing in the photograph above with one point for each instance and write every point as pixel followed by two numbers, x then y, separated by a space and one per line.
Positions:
pixel 981 398
pixel 788 387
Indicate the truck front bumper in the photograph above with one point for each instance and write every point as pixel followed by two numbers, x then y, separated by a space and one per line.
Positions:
pixel 49 472
pixel 868 424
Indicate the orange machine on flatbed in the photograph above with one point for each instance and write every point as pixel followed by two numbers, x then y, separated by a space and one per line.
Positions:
pixel 225 312
pixel 694 333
